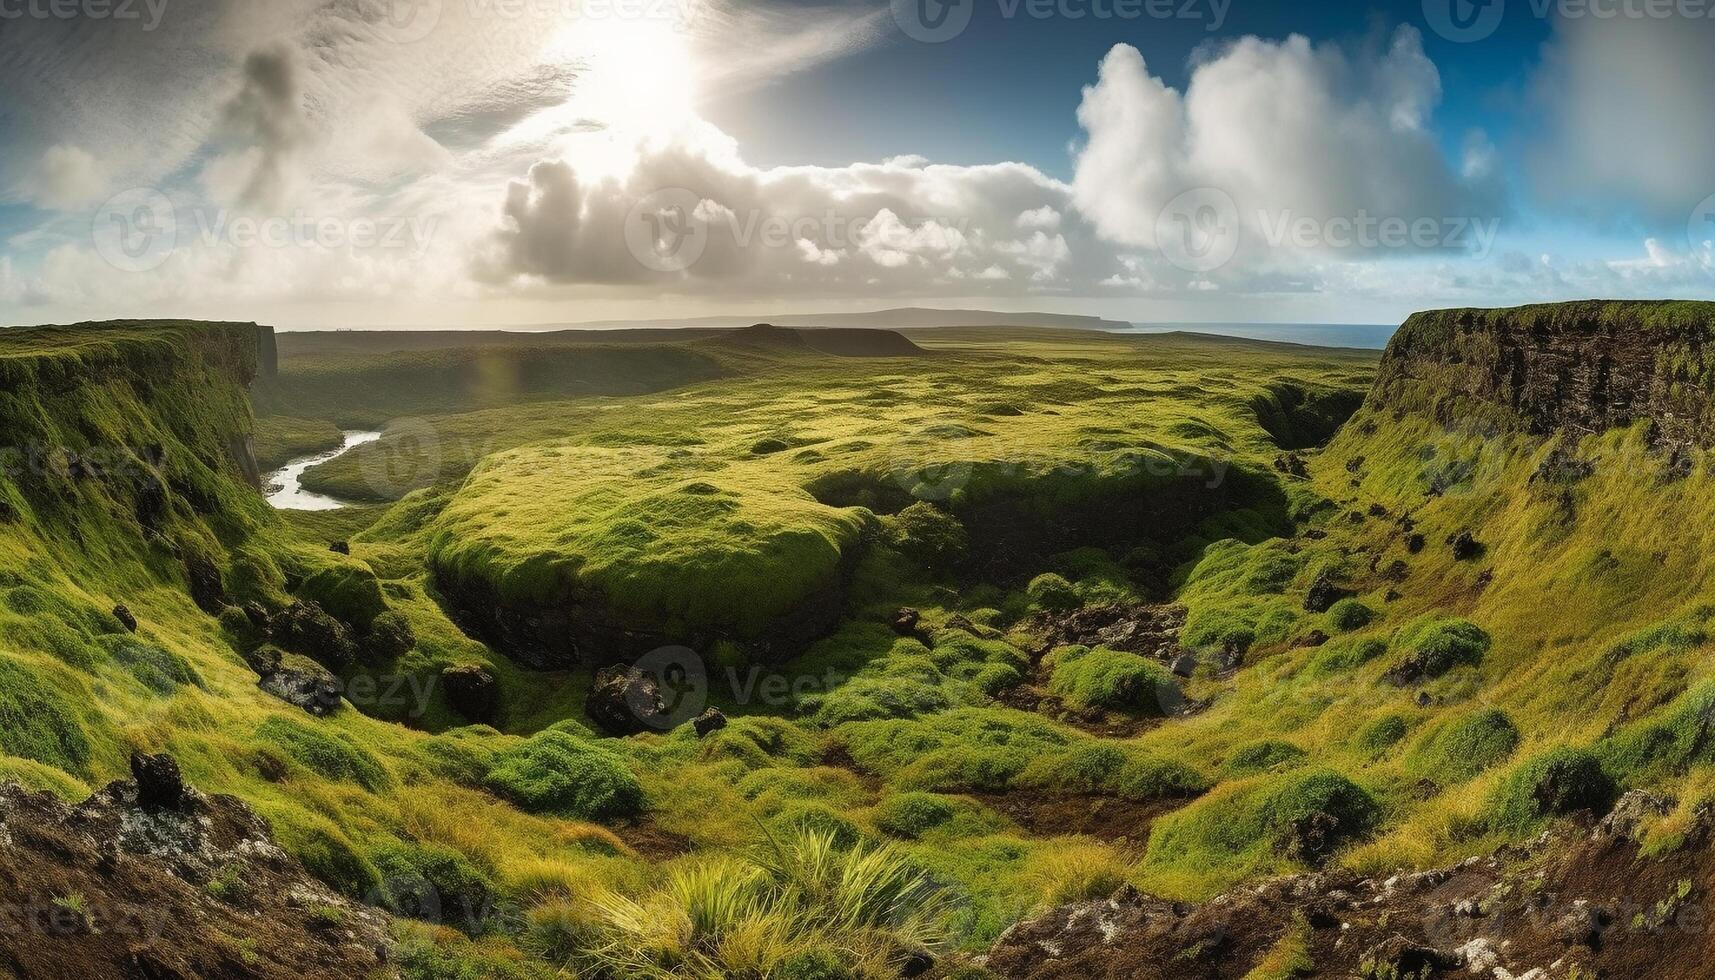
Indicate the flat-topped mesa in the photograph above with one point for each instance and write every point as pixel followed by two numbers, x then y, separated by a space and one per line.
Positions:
pixel 1581 368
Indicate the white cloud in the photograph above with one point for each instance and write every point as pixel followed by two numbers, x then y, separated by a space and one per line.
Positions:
pixel 66 177
pixel 1279 128
pixel 1627 128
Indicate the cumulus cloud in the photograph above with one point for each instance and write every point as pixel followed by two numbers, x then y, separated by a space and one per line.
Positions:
pixel 1626 106
pixel 898 227
pixel 1281 129
pixel 66 177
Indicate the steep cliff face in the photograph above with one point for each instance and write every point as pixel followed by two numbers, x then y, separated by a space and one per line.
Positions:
pixel 1582 368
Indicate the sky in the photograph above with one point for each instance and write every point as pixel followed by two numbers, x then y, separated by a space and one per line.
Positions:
pixel 370 163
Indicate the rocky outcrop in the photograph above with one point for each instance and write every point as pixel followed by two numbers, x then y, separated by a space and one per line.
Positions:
pixel 473 692
pixel 1581 368
pixel 1583 903
pixel 150 878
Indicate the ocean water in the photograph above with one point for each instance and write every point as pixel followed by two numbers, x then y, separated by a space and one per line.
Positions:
pixel 1373 337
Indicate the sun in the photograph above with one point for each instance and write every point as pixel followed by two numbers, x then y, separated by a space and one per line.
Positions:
pixel 635 74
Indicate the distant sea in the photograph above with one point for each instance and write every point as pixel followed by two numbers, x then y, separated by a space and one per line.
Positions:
pixel 1315 334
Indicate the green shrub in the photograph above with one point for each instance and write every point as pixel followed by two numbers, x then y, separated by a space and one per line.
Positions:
pixel 1349 614
pixel 961 749
pixel 1556 783
pixel 554 772
pixel 160 670
pixel 463 755
pixel 329 754
pixel 992 679
pixel 1435 646
pixel 1263 756
pixel 1053 593
pixel 1660 749
pixel 756 741
pixel 348 592
pixel 1146 777
pixel 1251 826
pixel 816 964
pixel 434 883
pixel 911 815
pixel 1382 734
pixel 390 637
pixel 1113 680
pixel 37 721
pixel 1346 654
pixel 867 698
pixel 928 536
pixel 1460 750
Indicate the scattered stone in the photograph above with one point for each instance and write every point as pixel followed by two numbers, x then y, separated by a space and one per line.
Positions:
pixel 625 701
pixel 258 615
pixel 1582 926
pixel 709 722
pixel 207 589
pixel 1185 664
pixel 1324 592
pixel 306 627
pixel 1415 543
pixel 1630 813
pixel 1292 464
pixel 298 681
pixel 905 621
pixel 125 617
pixel 340 548
pixel 160 785
pixel 1465 547
pixel 472 691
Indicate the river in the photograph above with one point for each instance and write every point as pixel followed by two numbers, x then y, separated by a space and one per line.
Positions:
pixel 284 490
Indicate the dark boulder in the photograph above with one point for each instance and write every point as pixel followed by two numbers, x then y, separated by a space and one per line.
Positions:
pixel 307 628
pixel 151 501
pixel 905 621
pixel 160 785
pixel 125 617
pixel 298 681
pixel 207 589
pixel 8 513
pixel 258 615
pixel 1414 543
pixel 472 691
pixel 709 722
pixel 340 548
pixel 1465 547
pixel 625 701
pixel 388 638
pixel 1324 592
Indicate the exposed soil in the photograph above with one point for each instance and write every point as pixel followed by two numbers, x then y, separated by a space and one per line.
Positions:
pixel 653 843
pixel 1105 818
pixel 1583 902
pixel 110 888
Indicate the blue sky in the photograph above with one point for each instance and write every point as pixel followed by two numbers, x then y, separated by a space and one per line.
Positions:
pixel 442 162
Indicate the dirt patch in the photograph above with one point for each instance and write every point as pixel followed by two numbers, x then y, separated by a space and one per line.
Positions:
pixel 1583 902
pixel 113 889
pixel 1105 818
pixel 652 842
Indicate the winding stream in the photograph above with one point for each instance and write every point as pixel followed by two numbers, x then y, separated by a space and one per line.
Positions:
pixel 285 492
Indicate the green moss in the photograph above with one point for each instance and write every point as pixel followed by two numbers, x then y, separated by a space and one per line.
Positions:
pixel 1346 654
pixel 1382 734
pixel 1245 828
pixel 1465 747
pixel 928 536
pixel 911 815
pixel 816 818
pixel 1117 681
pixel 1053 593
pixel 330 754
pixel 1262 757
pixel 1348 615
pixel 1433 646
pixel 962 749
pixel 435 883
pixel 554 772
pixel 156 668
pixel 1556 783
pixel 38 722
pixel 868 698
